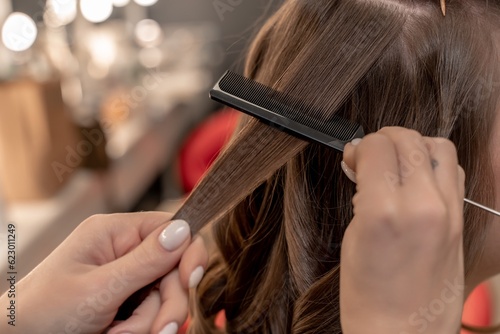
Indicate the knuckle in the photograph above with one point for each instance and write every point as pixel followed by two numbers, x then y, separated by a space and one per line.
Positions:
pixel 448 146
pixel 413 134
pixel 387 129
pixel 391 129
pixel 377 138
pixel 402 132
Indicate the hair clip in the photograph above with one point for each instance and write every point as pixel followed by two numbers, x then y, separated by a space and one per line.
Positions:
pixel 443 7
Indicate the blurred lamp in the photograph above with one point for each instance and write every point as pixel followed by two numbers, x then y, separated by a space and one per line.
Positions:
pixel 19 32
pixel 59 12
pixel 148 33
pixel 102 48
pixel 120 3
pixel 103 52
pixel 145 3
pixel 96 11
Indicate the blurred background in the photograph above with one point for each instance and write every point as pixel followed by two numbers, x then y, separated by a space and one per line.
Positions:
pixel 104 108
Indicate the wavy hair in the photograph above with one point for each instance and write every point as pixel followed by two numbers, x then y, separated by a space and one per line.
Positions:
pixel 275 264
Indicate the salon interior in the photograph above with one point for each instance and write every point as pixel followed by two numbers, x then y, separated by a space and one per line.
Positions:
pixel 104 108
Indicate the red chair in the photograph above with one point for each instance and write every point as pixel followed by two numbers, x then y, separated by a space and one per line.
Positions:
pixel 204 145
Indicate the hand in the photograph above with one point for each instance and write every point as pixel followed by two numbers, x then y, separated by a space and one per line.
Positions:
pixel 81 285
pixel 402 258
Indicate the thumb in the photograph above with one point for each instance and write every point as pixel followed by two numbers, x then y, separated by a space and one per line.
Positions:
pixel 156 256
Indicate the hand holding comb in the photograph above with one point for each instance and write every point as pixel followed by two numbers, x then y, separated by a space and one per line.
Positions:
pixel 251 150
pixel 273 107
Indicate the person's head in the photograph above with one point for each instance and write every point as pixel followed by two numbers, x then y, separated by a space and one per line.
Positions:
pixel 277 265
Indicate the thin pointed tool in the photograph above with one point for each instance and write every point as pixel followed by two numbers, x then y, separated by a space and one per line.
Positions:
pixel 287 114
pixel 485 208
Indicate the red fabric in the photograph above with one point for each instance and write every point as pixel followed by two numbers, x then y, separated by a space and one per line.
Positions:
pixel 204 145
pixel 478 308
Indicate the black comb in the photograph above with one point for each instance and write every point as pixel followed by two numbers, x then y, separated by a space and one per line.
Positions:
pixel 283 111
pixel 290 115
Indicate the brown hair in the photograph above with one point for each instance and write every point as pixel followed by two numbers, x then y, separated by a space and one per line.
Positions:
pixel 275 268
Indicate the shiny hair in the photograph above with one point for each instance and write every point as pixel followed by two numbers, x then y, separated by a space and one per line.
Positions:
pixel 274 267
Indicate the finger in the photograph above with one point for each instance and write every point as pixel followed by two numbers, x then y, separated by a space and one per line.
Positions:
pixel 142 222
pixel 108 237
pixel 143 317
pixel 174 308
pixel 445 166
pixel 193 264
pixel 117 234
pixel 413 155
pixel 450 180
pixel 156 256
pixel 350 153
pixel 375 161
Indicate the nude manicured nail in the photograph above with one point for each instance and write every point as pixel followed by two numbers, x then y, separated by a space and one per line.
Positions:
pixel 196 277
pixel 349 172
pixel 356 141
pixel 171 328
pixel 174 235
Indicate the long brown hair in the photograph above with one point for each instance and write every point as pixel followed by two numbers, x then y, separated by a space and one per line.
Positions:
pixel 275 267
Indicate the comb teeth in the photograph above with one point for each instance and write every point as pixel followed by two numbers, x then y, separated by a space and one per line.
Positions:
pixel 286 106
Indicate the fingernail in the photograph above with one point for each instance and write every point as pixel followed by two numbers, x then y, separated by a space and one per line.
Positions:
pixel 174 235
pixel 356 141
pixel 196 277
pixel 171 328
pixel 349 172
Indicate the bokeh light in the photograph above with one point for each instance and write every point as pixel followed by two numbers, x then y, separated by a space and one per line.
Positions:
pixel 145 3
pixel 102 48
pixel 96 11
pixel 60 12
pixel 19 32
pixel 120 3
pixel 148 33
